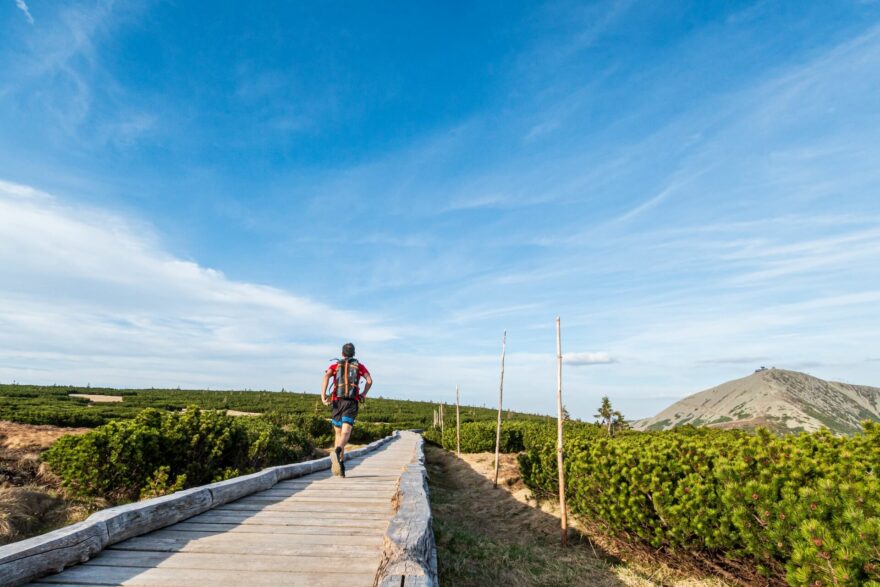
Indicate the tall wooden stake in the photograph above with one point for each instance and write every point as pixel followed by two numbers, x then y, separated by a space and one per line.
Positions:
pixel 500 402
pixel 457 424
pixel 564 519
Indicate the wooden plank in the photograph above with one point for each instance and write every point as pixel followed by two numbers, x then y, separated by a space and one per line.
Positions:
pixel 232 489
pixel 408 556
pixel 335 492
pixel 295 517
pixel 332 491
pixel 137 518
pixel 260 542
pixel 309 507
pixel 240 562
pixel 353 484
pixel 263 544
pixel 199 578
pixel 315 498
pixel 50 552
pixel 291 518
pixel 376 528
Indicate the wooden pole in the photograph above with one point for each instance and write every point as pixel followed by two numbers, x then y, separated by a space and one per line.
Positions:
pixel 564 519
pixel 500 402
pixel 457 423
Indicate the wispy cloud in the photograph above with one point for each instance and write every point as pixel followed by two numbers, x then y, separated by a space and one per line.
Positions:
pixel 61 76
pixel 733 361
pixel 589 358
pixel 677 183
pixel 24 8
pixel 84 289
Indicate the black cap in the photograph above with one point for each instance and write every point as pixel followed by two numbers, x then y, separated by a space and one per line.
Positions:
pixel 348 350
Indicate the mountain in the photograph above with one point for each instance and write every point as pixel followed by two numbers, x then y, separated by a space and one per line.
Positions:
pixel 784 401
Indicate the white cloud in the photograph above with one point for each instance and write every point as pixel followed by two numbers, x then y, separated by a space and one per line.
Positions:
pixel 24 8
pixel 89 296
pixel 583 359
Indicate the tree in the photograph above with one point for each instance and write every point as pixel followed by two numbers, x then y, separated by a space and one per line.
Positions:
pixel 609 417
pixel 565 415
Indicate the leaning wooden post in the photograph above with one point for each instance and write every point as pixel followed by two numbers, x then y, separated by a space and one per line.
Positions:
pixel 564 519
pixel 500 402
pixel 457 423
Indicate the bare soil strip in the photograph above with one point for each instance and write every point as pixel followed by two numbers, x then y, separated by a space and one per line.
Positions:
pixel 98 399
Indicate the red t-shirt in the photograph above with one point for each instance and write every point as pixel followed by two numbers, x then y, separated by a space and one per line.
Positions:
pixel 362 372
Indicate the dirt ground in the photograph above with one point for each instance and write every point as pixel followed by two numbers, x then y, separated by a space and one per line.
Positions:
pixel 31 501
pixel 99 399
pixel 475 523
pixel 15 436
pixel 240 413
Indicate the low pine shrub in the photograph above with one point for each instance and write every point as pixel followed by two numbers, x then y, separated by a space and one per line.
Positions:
pixel 807 505
pixel 157 452
pixel 366 432
pixel 480 437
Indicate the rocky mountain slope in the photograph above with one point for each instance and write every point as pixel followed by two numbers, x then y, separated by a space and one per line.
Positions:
pixel 785 401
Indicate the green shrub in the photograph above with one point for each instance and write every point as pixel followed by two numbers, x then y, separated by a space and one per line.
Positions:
pixel 808 503
pixel 516 435
pixel 433 435
pixel 156 452
pixel 366 432
pixel 480 437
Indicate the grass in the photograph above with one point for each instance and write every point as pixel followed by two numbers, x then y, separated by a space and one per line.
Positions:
pixel 486 537
pixel 31 501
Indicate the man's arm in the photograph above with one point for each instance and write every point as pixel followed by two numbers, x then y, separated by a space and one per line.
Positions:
pixel 368 383
pixel 324 399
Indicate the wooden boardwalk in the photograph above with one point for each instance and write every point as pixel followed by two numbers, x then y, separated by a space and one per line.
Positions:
pixel 314 530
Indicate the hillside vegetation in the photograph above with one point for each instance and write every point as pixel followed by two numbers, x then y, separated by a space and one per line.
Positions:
pixel 778 399
pixel 61 406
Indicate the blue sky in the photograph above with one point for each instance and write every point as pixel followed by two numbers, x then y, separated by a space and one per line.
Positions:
pixel 218 196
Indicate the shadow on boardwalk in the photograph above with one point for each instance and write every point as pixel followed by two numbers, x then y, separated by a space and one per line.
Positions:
pixel 486 537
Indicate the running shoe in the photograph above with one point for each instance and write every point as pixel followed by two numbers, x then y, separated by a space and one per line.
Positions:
pixel 335 462
pixel 342 467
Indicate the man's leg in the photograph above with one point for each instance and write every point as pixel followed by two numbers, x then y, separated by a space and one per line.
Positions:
pixel 344 435
pixel 336 453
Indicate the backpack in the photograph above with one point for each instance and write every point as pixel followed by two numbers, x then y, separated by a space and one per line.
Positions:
pixel 347 378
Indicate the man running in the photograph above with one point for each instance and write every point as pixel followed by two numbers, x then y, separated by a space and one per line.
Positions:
pixel 346 374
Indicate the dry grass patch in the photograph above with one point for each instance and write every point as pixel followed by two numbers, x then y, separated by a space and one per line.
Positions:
pixel 31 501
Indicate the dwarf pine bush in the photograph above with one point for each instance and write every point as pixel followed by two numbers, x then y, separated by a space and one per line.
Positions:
pixel 157 452
pixel 807 503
